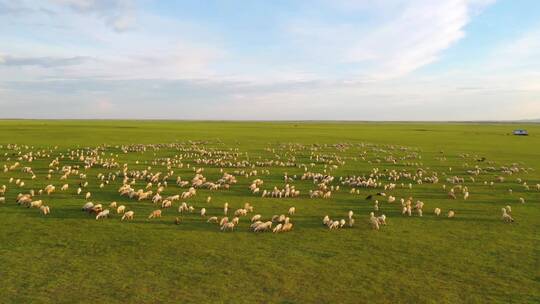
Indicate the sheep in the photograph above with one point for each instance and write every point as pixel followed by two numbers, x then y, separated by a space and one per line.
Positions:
pixel 112 205
pixel 508 208
pixel 255 218
pixel 87 206
pixel 286 227
pixel 96 209
pixel 2 200
pixel 225 208
pixel 64 187
pixel 277 228
pixel 326 220
pixel 120 209
pixel 506 217
pixel 240 212
pixel 203 212
pixel 235 220
pixel 382 219
pixel 292 211
pixel 351 222
pixel 451 214
pixel 350 214
pixel 263 226
pixel 208 199
pixel 522 200
pixel 437 211
pixel 177 221
pixel 342 223
pixel 45 210
pixel 128 215
pixel 334 225
pixel 224 221
pixel 212 219
pixel 374 221
pixel 35 204
pixel 227 227
pixel 166 204
pixel 466 195
pixel 255 224
pixel 102 214
pixel 88 195
pixel 155 214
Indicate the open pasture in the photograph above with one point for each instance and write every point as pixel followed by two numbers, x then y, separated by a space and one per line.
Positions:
pixel 320 169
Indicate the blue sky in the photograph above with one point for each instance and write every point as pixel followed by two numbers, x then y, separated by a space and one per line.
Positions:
pixel 281 59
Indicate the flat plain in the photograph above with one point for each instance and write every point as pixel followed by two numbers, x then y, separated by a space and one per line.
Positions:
pixel 70 257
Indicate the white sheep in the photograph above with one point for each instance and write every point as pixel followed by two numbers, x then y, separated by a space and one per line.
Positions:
pixel 128 215
pixel 120 209
pixel 437 211
pixel 374 221
pixel 224 221
pixel 292 211
pixel 212 219
pixel 451 214
pixel 382 219
pixel 45 210
pixel 255 218
pixel 203 211
pixel 506 217
pixel 88 206
pixel 102 214
pixel 277 228
pixel 227 227
pixel 155 214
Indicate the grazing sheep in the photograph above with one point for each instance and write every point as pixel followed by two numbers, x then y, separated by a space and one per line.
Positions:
pixel 112 205
pixel 120 209
pixel 342 223
pixel 102 214
pixel 266 226
pixel 451 214
pixel 382 219
pixel 522 200
pixel 374 221
pixel 326 220
pixel 255 218
pixel 506 217
pixel 155 214
pixel 277 228
pixel 508 208
pixel 203 211
pixel 88 206
pixel 351 213
pixel 334 225
pixel 292 211
pixel 166 204
pixel 437 211
pixel 128 215
pixel 235 220
pixel 45 210
pixel 287 227
pixel 88 195
pixel 212 219
pixel 227 227
pixel 224 221
pixel 35 204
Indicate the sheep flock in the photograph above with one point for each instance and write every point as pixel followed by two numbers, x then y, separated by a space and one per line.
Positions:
pixel 365 185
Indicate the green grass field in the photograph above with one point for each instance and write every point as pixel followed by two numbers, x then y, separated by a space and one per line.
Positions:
pixel 69 257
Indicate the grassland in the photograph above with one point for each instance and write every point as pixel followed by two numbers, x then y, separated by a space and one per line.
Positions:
pixel 69 257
